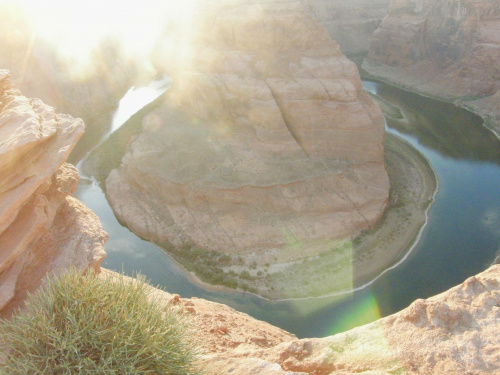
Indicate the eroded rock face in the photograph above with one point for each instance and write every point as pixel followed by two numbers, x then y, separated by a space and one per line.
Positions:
pixel 42 228
pixel 350 23
pixel 449 49
pixel 267 147
pixel 455 332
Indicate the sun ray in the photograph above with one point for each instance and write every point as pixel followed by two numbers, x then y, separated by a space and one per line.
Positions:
pixel 76 28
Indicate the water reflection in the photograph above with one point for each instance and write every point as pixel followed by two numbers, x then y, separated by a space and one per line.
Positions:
pixel 135 99
pixel 437 125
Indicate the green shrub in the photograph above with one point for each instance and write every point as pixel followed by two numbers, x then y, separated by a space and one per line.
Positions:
pixel 93 325
pixel 245 275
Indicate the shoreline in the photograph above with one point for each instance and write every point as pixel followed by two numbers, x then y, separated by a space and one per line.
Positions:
pixel 379 261
pixel 380 74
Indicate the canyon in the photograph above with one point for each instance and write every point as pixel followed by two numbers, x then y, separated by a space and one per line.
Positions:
pixel 454 332
pixel 246 113
pixel 447 49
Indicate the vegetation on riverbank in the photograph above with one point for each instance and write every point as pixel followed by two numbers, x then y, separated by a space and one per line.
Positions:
pixel 209 266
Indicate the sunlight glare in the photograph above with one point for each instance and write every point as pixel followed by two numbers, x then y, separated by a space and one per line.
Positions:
pixel 78 27
pixel 137 97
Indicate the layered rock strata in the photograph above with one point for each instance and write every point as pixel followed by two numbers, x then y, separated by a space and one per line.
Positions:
pixel 350 23
pixel 42 228
pixel 267 149
pixel 455 332
pixel 449 49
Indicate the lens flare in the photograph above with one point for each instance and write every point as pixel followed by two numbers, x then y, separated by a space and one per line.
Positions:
pixel 363 311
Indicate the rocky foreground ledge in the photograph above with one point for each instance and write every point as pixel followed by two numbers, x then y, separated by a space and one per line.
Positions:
pixel 42 227
pixel 455 332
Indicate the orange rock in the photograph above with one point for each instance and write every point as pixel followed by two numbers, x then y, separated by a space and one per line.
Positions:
pixel 455 332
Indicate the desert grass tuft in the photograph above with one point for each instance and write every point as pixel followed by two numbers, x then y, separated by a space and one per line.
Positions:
pixel 92 325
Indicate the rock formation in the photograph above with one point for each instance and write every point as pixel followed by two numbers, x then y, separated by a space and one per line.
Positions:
pixel 350 23
pixel 267 149
pixel 42 228
pixel 448 49
pixel 455 332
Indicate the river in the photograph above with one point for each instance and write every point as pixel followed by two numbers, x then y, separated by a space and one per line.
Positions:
pixel 462 237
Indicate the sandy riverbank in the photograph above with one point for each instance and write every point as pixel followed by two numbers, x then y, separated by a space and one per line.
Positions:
pixel 354 263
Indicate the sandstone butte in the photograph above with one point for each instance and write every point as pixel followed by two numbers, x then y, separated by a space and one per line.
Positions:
pixel 267 148
pixel 42 227
pixel 456 332
pixel 448 49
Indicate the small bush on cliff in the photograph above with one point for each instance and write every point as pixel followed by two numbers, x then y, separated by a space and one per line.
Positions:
pixel 92 325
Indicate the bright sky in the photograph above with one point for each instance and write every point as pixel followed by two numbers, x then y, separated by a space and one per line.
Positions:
pixel 77 26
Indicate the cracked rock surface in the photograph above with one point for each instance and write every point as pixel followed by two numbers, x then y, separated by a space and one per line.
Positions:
pixel 42 228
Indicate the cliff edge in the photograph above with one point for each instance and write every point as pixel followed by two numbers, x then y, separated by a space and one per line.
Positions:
pixel 455 332
pixel 42 227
